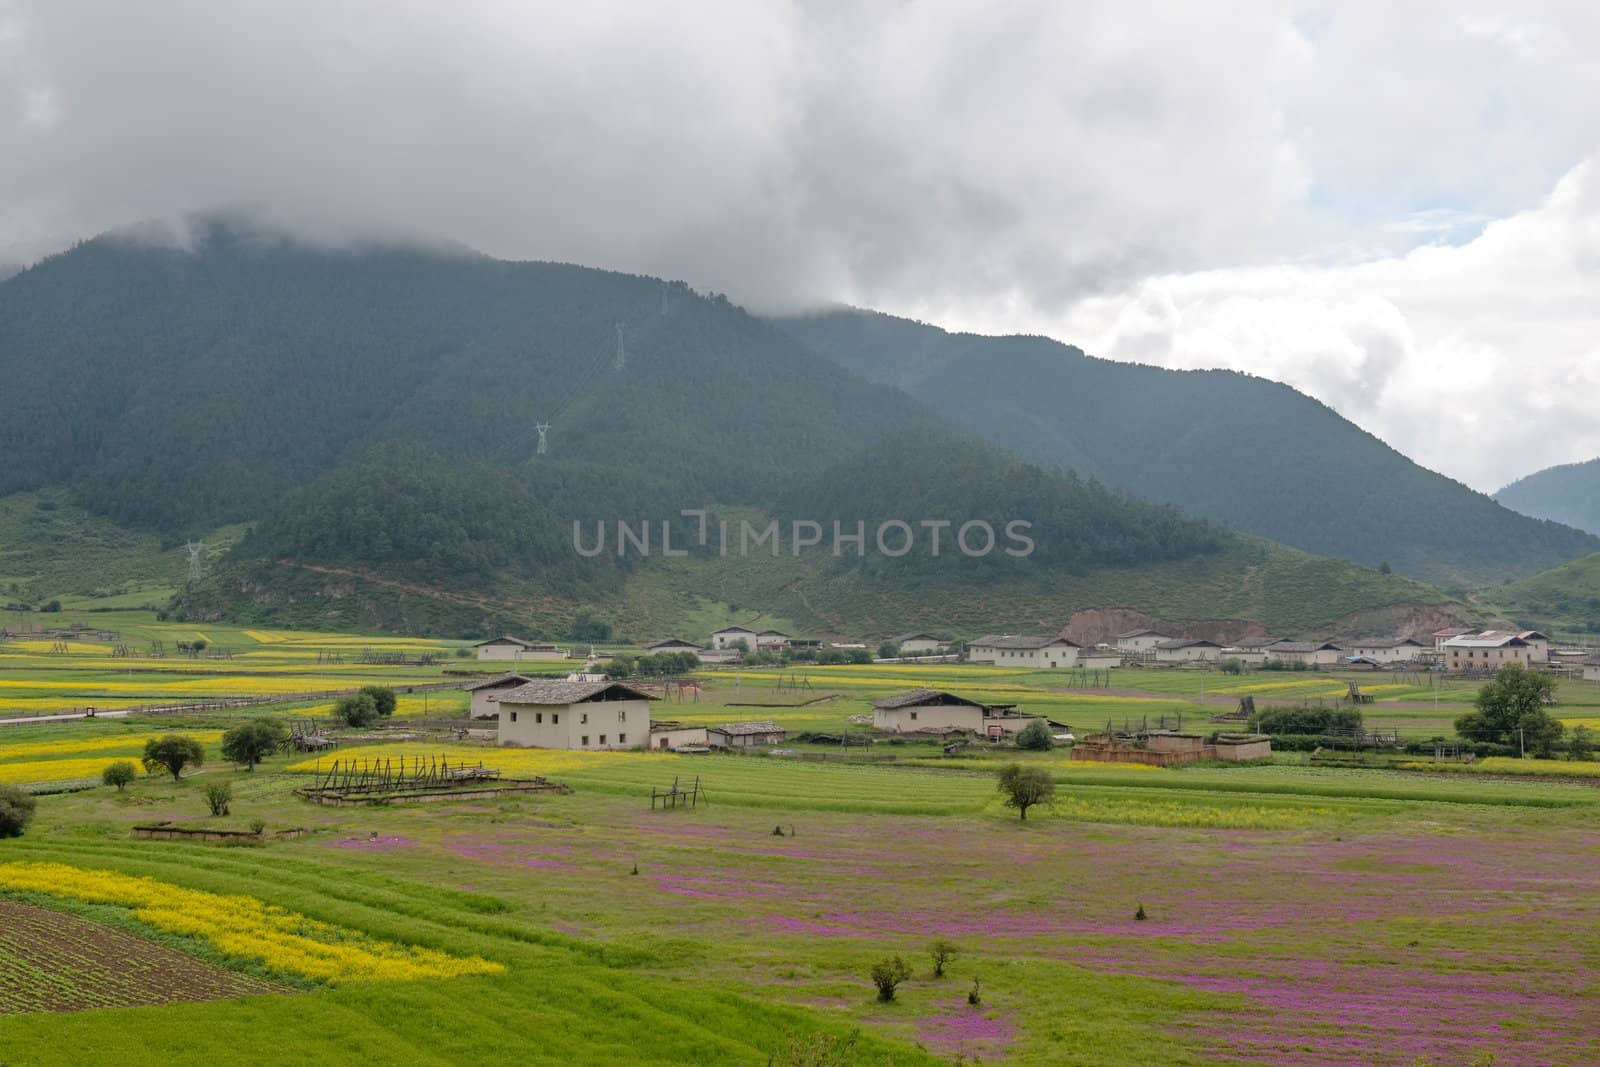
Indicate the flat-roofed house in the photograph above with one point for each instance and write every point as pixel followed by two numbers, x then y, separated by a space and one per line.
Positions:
pixel 515 648
pixel 1139 642
pixel 484 694
pixel 745 734
pixel 913 644
pixel 545 713
pixel 730 636
pixel 1384 649
pixel 1486 651
pixel 1591 669
pixel 1311 653
pixel 1188 650
pixel 1013 650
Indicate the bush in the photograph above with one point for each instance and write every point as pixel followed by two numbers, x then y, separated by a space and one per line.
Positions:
pixel 1231 666
pixel 251 742
pixel 888 650
pixel 942 952
pixel 356 711
pixel 887 975
pixel 1307 720
pixel 463 653
pixel 975 994
pixel 16 810
pixel 172 753
pixel 1036 737
pixel 217 796
pixel 119 774
pixel 383 697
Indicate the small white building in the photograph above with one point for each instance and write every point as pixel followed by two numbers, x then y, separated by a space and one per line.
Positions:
pixel 1486 652
pixel 1591 669
pixel 1140 642
pixel 730 636
pixel 577 715
pixel 515 648
pixel 1251 651
pixel 672 736
pixel 1011 650
pixel 933 711
pixel 745 735
pixel 1311 653
pixel 482 703
pixel 919 643
pixel 1384 649
pixel 1099 659
pixel 771 639
pixel 1188 650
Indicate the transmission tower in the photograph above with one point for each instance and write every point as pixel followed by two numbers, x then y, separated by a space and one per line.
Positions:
pixel 543 428
pixel 622 355
pixel 196 559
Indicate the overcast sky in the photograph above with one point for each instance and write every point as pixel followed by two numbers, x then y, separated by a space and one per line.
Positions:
pixel 1393 206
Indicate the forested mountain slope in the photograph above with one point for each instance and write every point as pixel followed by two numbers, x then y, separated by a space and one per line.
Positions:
pixel 1227 446
pixel 1569 494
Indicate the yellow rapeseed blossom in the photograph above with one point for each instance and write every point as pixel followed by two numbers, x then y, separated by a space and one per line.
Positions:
pixel 105 742
pixel 512 762
pixel 282 941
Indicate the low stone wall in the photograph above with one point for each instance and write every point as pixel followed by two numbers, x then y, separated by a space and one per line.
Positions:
pixel 337 798
pixel 165 832
pixel 1127 753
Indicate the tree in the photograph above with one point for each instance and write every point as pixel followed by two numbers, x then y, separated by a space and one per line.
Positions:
pixel 1036 737
pixel 888 974
pixel 119 774
pixel 383 697
pixel 942 952
pixel 888 650
pixel 218 794
pixel 1581 744
pixel 1026 786
pixel 1511 711
pixel 172 753
pixel 251 742
pixel 16 810
pixel 358 710
pixel 1384 568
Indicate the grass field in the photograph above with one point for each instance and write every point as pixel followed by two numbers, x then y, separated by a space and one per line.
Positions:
pixel 1294 914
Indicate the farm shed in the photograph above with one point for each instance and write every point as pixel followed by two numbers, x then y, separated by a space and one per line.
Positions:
pixel 745 734
pixel 483 693
pixel 515 648
pixel 1012 650
pixel 579 715
pixel 911 644
pixel 669 736
pixel 1311 653
pixel 1384 649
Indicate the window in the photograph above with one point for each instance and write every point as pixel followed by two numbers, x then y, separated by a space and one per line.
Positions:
pixel 583 720
pixel 602 739
pixel 622 739
pixel 913 715
pixel 538 716
pixel 555 719
pixel 622 716
pixel 513 716
pixel 586 740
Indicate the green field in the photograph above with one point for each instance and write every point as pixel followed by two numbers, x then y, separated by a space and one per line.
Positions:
pixel 1294 913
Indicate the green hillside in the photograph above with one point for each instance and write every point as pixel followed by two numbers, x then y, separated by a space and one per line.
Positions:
pixel 1565 599
pixel 1569 493
pixel 1241 450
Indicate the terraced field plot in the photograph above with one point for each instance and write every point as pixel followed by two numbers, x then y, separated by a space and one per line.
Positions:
pixel 53 961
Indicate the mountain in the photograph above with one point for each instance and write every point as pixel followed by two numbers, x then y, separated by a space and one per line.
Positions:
pixel 1569 494
pixel 1237 449
pixel 361 426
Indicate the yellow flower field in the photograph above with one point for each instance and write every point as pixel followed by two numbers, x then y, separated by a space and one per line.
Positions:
pixel 282 941
pixel 31 772
pixel 514 762
pixel 132 741
pixel 1538 768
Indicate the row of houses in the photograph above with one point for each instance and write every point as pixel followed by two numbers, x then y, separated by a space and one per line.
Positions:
pixel 1455 649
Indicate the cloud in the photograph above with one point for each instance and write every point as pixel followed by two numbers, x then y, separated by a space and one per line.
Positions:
pixel 1016 164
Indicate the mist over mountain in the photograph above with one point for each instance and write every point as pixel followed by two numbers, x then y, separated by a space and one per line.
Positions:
pixel 1237 449
pixel 1569 493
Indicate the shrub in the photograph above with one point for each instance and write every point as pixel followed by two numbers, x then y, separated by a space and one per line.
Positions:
pixel 888 650
pixel 258 826
pixel 1581 744
pixel 887 975
pixel 816 1050
pixel 1231 666
pixel 358 710
pixel 1026 786
pixel 172 753
pixel 463 653
pixel 974 995
pixel 942 952
pixel 218 794
pixel 1139 915
pixel 1036 737
pixel 1317 721
pixel 16 810
pixel 119 774
pixel 250 742
pixel 383 697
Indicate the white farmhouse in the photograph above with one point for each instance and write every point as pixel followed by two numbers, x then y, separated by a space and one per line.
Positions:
pixel 933 711
pixel 1486 652
pixel 1311 653
pixel 1188 650
pixel 1384 649
pixel 515 648
pixel 915 644
pixel 1140 642
pixel 730 636
pixel 580 715
pixel 486 692
pixel 1011 650
pixel 672 644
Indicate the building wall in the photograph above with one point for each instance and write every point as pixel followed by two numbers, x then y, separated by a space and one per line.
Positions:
pixel 1192 654
pixel 484 708
pixel 1145 643
pixel 622 724
pixel 930 716
pixel 725 740
pixel 670 739
pixel 1592 674
pixel 1239 752
pixel 1010 725
pixel 1538 650
pixel 1048 658
pixel 914 646
pixel 517 652
pixel 721 640
pixel 1099 661
pixel 1466 659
